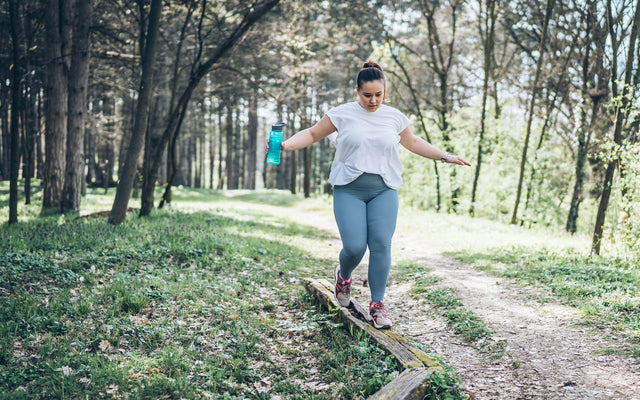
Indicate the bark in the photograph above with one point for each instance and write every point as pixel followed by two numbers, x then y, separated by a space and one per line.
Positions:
pixel 291 166
pixel 32 122
pixel 181 106
pixel 123 192
pixel 201 159
pixel 5 149
pixel 212 153
pixel 78 83
pixel 487 30
pixel 252 139
pixel 238 166
pixel 220 149
pixel 90 145
pixel 532 103
pixel 622 111
pixel 17 35
pixel 231 138
pixel 58 22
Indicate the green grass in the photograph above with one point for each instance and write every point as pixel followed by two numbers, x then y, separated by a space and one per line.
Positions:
pixel 604 288
pixel 200 300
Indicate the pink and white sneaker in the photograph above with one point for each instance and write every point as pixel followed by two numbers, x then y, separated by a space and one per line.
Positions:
pixel 378 315
pixel 342 289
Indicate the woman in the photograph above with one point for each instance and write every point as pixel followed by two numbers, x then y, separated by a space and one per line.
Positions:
pixel 366 174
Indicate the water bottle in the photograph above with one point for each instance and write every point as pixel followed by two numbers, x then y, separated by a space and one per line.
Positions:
pixel 275 142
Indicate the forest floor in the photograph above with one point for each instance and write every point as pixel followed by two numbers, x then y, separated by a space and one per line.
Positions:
pixel 543 349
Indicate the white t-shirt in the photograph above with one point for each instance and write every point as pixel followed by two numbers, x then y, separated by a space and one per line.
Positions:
pixel 367 142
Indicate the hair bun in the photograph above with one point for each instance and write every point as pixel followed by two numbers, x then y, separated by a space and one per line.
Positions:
pixel 371 64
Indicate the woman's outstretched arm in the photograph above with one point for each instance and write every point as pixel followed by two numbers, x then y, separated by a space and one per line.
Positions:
pixel 425 149
pixel 309 136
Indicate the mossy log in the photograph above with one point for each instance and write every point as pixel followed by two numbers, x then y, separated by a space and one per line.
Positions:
pixel 417 366
pixel 410 385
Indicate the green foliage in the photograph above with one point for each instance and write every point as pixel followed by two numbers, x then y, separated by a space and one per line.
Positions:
pixel 445 386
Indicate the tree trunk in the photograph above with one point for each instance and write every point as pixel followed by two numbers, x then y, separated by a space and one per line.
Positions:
pixel 78 83
pixel 220 149
pixel 488 28
pixel 123 193
pixel 5 149
pixel 584 131
pixel 291 167
pixel 90 144
pixel 252 139
pixel 212 152
pixel 17 35
pixel 622 111
pixel 58 22
pixel 32 122
pixel 238 166
pixel 532 103
pixel 230 139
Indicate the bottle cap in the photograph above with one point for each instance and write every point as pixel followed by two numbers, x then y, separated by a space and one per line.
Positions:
pixel 278 126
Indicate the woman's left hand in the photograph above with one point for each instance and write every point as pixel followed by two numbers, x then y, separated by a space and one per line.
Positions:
pixel 452 159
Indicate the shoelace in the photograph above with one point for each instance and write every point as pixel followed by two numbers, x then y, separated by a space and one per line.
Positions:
pixel 342 283
pixel 378 308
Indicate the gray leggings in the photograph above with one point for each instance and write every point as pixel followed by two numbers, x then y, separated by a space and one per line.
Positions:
pixel 366 211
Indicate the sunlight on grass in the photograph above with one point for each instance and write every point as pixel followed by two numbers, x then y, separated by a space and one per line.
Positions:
pixel 449 232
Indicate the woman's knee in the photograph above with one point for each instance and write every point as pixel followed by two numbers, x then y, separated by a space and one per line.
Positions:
pixel 354 250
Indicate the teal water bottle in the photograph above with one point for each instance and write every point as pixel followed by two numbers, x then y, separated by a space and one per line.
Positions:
pixel 275 142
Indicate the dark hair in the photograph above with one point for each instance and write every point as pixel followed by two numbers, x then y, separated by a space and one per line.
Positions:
pixel 371 71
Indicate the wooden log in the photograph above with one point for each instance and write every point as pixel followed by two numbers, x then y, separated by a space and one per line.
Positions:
pixel 406 354
pixel 410 385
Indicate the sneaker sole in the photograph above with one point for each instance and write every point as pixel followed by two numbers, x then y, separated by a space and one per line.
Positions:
pixel 334 289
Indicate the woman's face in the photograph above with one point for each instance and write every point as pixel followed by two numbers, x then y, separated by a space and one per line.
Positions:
pixel 371 94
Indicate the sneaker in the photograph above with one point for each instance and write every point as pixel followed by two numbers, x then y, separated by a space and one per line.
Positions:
pixel 342 289
pixel 378 315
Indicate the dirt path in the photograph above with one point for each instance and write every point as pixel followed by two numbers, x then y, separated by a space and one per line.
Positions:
pixel 546 355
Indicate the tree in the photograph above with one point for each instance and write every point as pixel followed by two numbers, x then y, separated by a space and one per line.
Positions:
pixel 532 103
pixel 487 28
pixel 17 33
pixel 58 22
pixel 594 92
pixel 622 112
pixel 441 55
pixel 78 84
pixel 123 193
